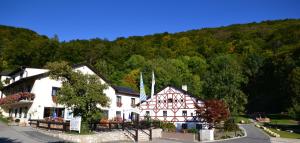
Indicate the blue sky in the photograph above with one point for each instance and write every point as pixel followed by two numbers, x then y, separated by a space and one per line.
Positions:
pixel 85 19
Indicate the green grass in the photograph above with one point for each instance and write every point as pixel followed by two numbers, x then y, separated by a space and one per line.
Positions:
pixel 3 119
pixel 284 134
pixel 238 118
pixel 278 119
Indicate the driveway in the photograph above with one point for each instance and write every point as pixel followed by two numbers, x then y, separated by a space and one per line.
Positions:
pixel 254 135
pixel 16 134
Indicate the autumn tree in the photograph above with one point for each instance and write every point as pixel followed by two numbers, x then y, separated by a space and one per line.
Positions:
pixel 213 111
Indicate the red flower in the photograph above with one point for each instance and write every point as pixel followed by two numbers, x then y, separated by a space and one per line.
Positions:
pixel 16 97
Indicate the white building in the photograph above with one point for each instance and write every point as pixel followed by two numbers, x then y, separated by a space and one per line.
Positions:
pixel 173 105
pixel 24 81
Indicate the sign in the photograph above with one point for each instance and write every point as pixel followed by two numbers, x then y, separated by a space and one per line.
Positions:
pixel 75 123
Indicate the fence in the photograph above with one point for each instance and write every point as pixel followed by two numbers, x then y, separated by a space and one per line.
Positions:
pixel 50 125
pixel 132 128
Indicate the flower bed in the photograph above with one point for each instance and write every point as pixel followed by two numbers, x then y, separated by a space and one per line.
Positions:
pixel 16 98
pixel 267 130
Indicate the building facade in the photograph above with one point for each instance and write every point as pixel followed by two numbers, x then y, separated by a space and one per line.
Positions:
pixel 30 93
pixel 173 105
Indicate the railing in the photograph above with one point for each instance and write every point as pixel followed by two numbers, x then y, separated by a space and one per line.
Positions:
pixel 129 126
pixel 50 125
pixel 149 134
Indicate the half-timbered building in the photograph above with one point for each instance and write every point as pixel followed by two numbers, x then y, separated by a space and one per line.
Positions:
pixel 173 105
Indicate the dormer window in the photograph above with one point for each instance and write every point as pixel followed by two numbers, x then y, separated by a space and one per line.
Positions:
pixel 21 74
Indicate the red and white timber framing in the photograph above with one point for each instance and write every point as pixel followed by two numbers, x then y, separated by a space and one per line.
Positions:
pixel 171 105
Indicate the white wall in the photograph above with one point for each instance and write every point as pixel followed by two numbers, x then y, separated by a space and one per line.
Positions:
pixel 42 89
pixel 174 109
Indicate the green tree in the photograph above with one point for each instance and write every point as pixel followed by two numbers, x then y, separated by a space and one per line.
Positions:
pixel 82 93
pixel 223 81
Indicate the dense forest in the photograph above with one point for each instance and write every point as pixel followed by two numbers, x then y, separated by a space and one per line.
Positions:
pixel 253 67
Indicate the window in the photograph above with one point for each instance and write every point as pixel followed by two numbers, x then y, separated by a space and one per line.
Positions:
pixel 20 112
pixel 165 113
pixel 21 74
pixel 192 114
pixel 170 100
pixel 184 113
pixel 133 102
pixel 184 126
pixel 54 91
pixel 147 113
pixel 54 112
pixel 181 100
pixel 105 114
pixel 119 101
pixel 118 113
pixel 158 101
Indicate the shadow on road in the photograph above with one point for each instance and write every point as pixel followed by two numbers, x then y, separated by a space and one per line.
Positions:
pixel 8 140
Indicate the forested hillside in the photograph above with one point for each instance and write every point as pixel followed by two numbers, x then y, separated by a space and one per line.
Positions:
pixel 253 67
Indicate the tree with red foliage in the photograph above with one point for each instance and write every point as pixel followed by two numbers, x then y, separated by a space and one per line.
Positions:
pixel 213 111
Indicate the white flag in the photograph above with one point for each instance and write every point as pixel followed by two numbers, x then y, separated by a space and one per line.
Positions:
pixel 153 84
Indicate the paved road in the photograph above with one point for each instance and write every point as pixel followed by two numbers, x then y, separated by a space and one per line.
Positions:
pixel 254 135
pixel 15 134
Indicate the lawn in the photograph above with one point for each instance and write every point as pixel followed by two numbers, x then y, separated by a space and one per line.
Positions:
pixel 284 122
pixel 238 118
pixel 285 134
pixel 278 119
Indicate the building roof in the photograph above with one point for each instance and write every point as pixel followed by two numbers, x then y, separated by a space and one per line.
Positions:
pixel 17 70
pixel 119 89
pixel 25 79
pixel 125 90
pixel 179 89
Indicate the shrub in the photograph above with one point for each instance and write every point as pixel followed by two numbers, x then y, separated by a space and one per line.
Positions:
pixel 17 120
pixel 294 112
pixel 9 119
pixel 145 124
pixel 168 126
pixel 156 124
pixel 192 130
pixel 229 125
pixel 225 137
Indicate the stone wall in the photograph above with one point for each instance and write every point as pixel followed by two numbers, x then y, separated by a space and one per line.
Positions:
pixel 94 138
pixel 156 133
pixel 117 135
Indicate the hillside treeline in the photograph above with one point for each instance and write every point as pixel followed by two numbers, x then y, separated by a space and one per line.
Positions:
pixel 254 67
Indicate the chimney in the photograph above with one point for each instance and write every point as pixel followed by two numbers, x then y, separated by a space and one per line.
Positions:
pixel 184 87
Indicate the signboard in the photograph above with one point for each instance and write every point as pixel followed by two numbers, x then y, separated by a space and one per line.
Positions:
pixel 75 123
